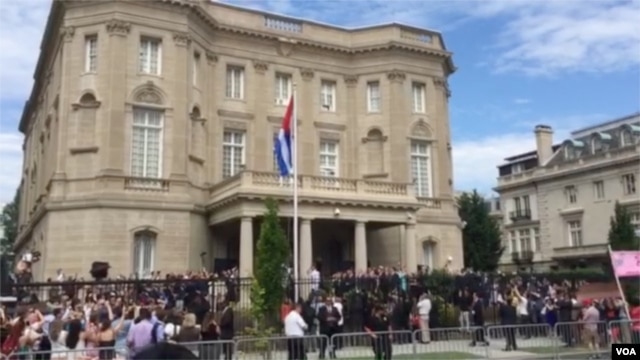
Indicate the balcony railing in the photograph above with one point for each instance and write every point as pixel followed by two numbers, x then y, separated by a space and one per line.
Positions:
pixel 515 257
pixel 520 215
pixel 526 256
pixel 583 251
pixel 271 184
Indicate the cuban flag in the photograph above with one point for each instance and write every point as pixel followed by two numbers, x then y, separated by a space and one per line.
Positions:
pixel 282 148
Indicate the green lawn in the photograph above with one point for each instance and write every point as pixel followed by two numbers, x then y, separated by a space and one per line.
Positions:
pixel 449 355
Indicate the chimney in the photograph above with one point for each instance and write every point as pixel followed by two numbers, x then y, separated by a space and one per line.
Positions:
pixel 544 143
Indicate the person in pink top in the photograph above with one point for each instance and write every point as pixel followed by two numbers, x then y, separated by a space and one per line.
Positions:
pixel 591 319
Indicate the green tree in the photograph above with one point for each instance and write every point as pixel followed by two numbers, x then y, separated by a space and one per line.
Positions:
pixel 621 230
pixel 481 234
pixel 9 223
pixel 271 257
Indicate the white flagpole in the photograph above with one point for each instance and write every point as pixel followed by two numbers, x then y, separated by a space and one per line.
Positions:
pixel 294 160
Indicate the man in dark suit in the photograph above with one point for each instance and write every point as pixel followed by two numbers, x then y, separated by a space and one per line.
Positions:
pixel 227 330
pixel 477 316
pixel 328 318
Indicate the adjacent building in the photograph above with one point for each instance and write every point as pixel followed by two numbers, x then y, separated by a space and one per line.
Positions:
pixel 557 200
pixel 150 127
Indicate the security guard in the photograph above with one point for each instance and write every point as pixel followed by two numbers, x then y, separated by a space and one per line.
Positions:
pixel 379 328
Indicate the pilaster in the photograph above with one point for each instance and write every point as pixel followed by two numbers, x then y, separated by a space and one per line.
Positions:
pixel 398 126
pixel 114 75
pixel 307 136
pixel 262 103
pixel 182 81
pixel 360 246
pixel 352 163
pixel 246 247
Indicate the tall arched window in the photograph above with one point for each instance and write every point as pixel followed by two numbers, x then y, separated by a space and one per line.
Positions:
pixel 596 145
pixel 144 250
pixel 428 249
pixel 375 152
pixel 421 159
pixel 626 138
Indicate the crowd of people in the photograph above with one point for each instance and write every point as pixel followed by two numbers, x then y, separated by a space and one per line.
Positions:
pixel 106 319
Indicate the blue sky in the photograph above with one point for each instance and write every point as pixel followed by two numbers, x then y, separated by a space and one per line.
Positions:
pixel 564 63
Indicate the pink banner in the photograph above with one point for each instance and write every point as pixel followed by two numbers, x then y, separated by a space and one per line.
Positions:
pixel 626 263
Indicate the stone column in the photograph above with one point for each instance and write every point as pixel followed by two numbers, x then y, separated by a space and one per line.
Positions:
pixel 113 129
pixel 180 102
pixel 360 253
pixel 306 247
pixel 246 247
pixel 410 247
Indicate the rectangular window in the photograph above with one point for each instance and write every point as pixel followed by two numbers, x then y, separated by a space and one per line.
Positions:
pixel 421 167
pixel 525 240
pixel 282 89
pixel 513 241
pixel 418 93
pixel 517 203
pixel 516 168
pixel 196 68
pixel 233 152
pixel 635 219
pixel 276 167
pixel 144 254
pixel 329 158
pixel 629 184
pixel 146 149
pixel 235 82
pixel 373 96
pixel 91 53
pixel 598 190
pixel 571 193
pixel 150 61
pixel 536 240
pixel 527 203
pixel 328 95
pixel 575 233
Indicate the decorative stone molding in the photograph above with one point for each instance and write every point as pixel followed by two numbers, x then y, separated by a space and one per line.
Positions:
pixel 367 139
pixel 83 150
pixel 235 125
pixel 285 47
pixel 81 105
pixel 277 120
pixel 67 33
pixel 421 130
pixel 307 74
pixel 396 76
pixel 351 80
pixel 212 58
pixel 329 135
pixel 236 114
pixel 149 94
pixel 260 66
pixel 443 84
pixel 181 38
pixel 118 27
pixel 329 126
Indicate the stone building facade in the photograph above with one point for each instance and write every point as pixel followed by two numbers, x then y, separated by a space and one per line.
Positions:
pixel 556 201
pixel 150 128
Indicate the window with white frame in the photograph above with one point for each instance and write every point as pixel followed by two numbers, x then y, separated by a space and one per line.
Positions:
pixel 233 155
pixel 598 190
pixel 574 229
pixel 421 167
pixel 373 96
pixel 513 241
pixel 329 158
pixel 517 168
pixel 418 91
pixel 235 82
pixel 196 68
pixel 144 248
pixel 150 61
pixel 569 153
pixel 276 167
pixel 596 145
pixel 328 95
pixel 91 53
pixel 571 193
pixel 282 89
pixel 635 219
pixel 524 236
pixel 629 184
pixel 536 239
pixel 146 145
pixel 626 138
pixel 427 251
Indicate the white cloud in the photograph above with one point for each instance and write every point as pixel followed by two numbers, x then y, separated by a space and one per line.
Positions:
pixel 11 160
pixel 521 101
pixel 475 160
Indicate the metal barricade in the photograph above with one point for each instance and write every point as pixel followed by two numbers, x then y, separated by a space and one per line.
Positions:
pixel 526 341
pixel 279 348
pixel 108 353
pixel 365 345
pixel 213 350
pixel 624 331
pixel 449 343
pixel 578 338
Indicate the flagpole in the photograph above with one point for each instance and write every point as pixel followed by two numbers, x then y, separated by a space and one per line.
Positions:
pixel 294 160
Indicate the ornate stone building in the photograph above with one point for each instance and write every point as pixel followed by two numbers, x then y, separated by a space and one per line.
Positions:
pixel 150 128
pixel 556 201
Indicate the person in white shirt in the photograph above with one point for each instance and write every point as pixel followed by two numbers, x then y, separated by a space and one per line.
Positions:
pixel 314 280
pixel 337 303
pixel 523 314
pixel 424 309
pixel 294 327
